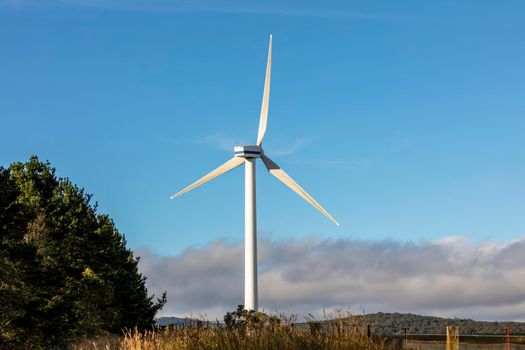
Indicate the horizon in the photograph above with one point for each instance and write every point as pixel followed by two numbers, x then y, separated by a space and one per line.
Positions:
pixel 359 315
pixel 404 121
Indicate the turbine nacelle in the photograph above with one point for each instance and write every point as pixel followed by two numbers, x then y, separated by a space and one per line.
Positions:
pixel 248 151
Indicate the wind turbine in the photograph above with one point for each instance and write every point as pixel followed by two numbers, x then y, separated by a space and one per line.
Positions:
pixel 247 155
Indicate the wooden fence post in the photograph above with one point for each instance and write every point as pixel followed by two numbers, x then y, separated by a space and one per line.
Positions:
pixel 452 338
pixel 507 337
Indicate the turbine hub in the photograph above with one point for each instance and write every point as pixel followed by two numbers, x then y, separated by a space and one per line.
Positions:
pixel 248 151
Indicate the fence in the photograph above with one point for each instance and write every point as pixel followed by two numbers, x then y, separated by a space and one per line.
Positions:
pixel 510 338
pixel 506 337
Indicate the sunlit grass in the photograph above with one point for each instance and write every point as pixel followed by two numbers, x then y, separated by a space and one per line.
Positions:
pixel 246 330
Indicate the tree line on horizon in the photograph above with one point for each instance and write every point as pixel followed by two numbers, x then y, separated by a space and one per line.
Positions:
pixel 65 271
pixel 390 324
pixel 396 323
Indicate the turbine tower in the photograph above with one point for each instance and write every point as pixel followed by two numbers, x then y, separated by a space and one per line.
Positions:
pixel 248 155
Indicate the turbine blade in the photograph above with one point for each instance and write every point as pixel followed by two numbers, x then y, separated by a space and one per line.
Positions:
pixel 229 165
pixel 266 97
pixel 280 174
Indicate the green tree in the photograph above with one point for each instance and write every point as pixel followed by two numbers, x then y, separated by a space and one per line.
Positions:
pixel 66 271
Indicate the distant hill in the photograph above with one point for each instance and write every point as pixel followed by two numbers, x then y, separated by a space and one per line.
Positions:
pixel 394 323
pixel 167 321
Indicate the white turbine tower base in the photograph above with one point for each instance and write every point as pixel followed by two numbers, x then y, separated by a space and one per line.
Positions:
pixel 248 155
pixel 250 236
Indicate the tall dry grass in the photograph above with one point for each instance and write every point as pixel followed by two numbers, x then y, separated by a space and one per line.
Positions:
pixel 259 332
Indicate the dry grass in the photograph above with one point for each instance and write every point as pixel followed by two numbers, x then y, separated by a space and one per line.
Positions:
pixel 261 332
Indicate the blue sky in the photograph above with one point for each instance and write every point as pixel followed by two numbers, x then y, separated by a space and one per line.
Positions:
pixel 405 120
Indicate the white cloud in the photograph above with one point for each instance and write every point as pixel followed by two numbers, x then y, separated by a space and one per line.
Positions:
pixel 450 277
pixel 347 164
pixel 215 6
pixel 290 148
pixel 226 143
pixel 219 141
pixel 228 6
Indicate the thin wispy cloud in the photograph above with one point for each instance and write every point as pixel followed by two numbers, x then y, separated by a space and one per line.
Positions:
pixel 227 7
pixel 452 277
pixel 28 4
pixel 219 141
pixel 23 4
pixel 347 164
pixel 289 148
pixel 277 149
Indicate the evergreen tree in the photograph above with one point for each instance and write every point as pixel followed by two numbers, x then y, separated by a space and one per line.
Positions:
pixel 66 271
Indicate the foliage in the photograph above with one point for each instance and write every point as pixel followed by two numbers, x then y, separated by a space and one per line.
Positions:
pixel 250 330
pixel 66 271
pixel 245 330
pixel 243 320
pixel 394 323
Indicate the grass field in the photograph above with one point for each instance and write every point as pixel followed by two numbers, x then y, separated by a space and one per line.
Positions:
pixel 248 331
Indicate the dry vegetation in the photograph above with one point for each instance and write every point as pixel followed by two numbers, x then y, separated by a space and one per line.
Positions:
pixel 247 331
